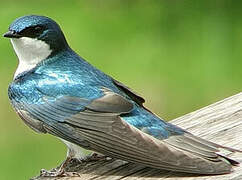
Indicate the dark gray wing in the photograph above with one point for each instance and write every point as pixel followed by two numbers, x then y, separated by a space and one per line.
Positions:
pixel 133 95
pixel 98 126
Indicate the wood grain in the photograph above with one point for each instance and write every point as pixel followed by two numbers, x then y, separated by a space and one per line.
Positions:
pixel 220 122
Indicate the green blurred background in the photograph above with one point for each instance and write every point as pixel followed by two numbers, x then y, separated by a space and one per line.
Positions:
pixel 179 55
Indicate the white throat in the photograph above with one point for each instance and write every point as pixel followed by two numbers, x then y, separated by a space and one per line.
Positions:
pixel 30 52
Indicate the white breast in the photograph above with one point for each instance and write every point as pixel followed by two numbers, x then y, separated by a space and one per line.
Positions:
pixel 74 151
pixel 30 52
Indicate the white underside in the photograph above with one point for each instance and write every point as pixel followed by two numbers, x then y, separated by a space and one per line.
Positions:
pixel 30 52
pixel 74 151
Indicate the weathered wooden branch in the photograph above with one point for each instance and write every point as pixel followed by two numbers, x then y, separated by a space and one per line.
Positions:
pixel 220 122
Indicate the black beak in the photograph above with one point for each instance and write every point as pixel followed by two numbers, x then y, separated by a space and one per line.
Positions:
pixel 11 34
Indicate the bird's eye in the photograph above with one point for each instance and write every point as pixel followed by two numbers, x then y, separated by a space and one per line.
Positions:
pixel 37 29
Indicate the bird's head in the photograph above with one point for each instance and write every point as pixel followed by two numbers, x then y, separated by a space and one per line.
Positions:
pixel 34 38
pixel 37 28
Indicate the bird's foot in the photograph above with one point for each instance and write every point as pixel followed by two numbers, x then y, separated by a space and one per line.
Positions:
pixel 68 163
pixel 59 171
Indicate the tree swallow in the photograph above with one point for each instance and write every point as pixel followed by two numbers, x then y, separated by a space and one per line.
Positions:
pixel 56 91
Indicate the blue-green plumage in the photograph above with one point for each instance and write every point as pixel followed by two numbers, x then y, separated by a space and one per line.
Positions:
pixel 67 74
pixel 58 92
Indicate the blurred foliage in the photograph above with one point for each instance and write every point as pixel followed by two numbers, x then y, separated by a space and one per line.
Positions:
pixel 180 55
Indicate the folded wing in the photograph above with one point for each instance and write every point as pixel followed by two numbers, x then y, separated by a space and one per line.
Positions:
pixel 98 126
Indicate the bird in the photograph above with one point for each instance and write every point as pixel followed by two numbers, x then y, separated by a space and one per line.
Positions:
pixel 56 91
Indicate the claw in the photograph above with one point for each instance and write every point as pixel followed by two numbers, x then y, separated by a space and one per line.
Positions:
pixel 60 171
pixel 57 173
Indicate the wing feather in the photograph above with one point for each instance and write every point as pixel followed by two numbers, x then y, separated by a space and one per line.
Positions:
pixel 98 126
pixel 144 149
